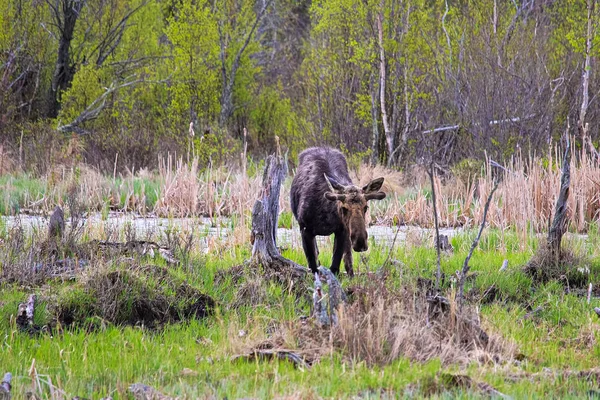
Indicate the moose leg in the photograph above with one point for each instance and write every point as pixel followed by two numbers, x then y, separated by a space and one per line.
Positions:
pixel 310 250
pixel 339 244
pixel 348 257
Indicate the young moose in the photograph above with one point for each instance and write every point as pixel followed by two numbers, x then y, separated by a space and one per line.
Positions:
pixel 324 201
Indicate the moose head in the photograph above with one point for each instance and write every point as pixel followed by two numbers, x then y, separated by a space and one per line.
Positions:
pixel 352 206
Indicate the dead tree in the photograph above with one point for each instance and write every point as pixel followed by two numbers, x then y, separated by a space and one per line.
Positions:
pixel 559 223
pixel 265 215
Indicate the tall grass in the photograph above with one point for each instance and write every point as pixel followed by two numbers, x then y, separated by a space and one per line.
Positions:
pixel 524 200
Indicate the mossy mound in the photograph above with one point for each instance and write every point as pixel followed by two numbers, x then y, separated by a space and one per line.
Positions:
pixel 144 295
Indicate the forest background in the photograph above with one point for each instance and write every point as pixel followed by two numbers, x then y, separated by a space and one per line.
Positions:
pixel 385 80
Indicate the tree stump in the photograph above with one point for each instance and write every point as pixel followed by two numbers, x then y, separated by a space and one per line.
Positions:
pixel 559 223
pixel 265 215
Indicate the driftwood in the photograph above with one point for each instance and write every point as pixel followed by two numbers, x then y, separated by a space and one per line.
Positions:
pixel 5 387
pixel 265 215
pixel 25 313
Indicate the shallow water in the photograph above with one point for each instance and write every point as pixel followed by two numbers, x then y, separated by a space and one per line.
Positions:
pixel 155 227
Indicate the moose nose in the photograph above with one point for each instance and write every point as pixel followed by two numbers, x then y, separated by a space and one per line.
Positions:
pixel 360 244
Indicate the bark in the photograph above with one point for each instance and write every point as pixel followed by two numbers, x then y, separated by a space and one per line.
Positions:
pixel 559 223
pixel 265 215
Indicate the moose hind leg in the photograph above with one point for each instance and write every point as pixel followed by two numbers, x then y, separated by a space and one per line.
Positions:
pixel 310 250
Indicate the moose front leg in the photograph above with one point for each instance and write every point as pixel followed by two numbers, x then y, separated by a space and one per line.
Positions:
pixel 339 245
pixel 310 250
pixel 348 257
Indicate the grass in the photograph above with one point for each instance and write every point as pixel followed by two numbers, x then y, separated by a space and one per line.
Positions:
pixel 192 359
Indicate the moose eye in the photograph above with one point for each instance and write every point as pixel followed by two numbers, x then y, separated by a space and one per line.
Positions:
pixel 344 211
pixel 366 209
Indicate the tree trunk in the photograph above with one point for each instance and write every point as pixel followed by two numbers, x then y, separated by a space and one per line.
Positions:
pixel 375 143
pixel 265 215
pixel 389 137
pixel 66 13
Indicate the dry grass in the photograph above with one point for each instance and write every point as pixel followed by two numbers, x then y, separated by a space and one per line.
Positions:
pixel 524 200
pixel 380 326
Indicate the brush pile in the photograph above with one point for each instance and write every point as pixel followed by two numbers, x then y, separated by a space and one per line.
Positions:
pixel 379 325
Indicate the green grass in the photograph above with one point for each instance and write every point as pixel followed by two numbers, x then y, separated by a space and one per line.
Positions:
pixel 192 359
pixel 17 191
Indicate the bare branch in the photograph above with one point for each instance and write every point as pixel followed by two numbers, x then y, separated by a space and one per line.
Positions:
pixel 93 110
pixel 438 277
pixel 466 267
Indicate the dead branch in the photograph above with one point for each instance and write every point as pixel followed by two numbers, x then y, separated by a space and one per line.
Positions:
pixel 93 110
pixel 466 267
pixel 438 277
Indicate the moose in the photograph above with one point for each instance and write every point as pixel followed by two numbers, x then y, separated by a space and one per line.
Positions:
pixel 325 201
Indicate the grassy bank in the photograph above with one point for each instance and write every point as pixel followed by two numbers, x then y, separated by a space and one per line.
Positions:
pixel 551 330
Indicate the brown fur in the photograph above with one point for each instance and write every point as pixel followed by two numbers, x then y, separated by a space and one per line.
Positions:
pixel 325 201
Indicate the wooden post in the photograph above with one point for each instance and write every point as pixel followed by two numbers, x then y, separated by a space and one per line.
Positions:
pixel 265 215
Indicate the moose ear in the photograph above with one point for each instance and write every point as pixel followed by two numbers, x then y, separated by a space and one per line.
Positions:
pixel 375 196
pixel 373 186
pixel 334 196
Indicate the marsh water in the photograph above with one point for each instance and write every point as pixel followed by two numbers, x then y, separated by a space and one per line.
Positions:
pixel 153 227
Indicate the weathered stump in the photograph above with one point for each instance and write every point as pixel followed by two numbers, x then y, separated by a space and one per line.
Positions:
pixel 56 225
pixel 25 313
pixel 5 386
pixel 265 215
pixel 559 223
